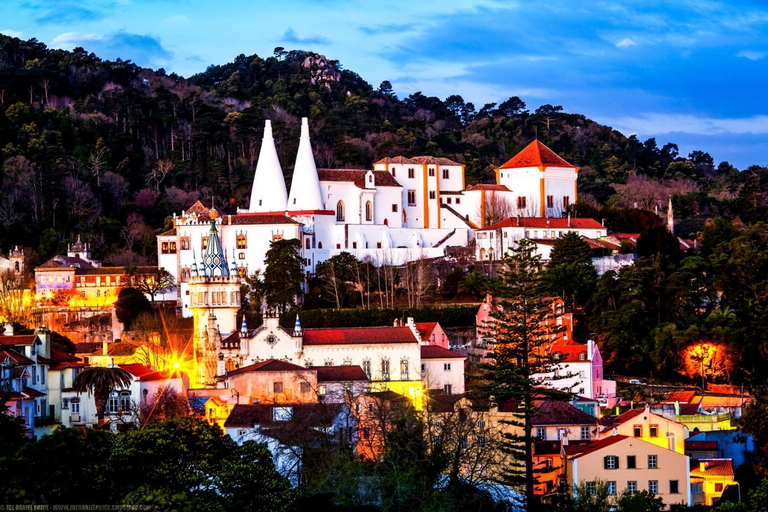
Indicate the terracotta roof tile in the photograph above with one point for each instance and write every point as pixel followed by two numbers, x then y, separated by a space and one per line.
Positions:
pixel 535 154
pixel 487 186
pixel 561 413
pixel 18 339
pixel 395 160
pixel 15 357
pixel 438 352
pixel 438 160
pixel 713 467
pixel 256 218
pixel 357 176
pixel 358 335
pixel 425 328
pixel 339 373
pixel 598 445
pixel 546 222
pixel 270 365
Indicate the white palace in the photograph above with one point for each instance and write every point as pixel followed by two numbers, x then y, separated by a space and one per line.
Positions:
pixel 401 210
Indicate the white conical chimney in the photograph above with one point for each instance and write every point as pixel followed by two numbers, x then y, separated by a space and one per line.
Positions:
pixel 305 187
pixel 268 193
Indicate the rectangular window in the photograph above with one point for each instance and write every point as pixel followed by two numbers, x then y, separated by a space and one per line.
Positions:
pixel 385 369
pixel 631 462
pixel 277 387
pixel 448 389
pixel 541 434
pixel 404 369
pixel 394 208
pixel 449 200
pixel 431 171
pixel 204 242
pixel 631 487
pixel 411 198
pixel 653 486
pixel 637 431
pixel 432 194
pixel 585 433
pixel 719 487
pixel 113 404
pixel 652 462
pixel 446 174
pixel 550 201
pixel 674 487
pixel 520 202
pixel 653 431
pixel 458 200
pixel 411 173
pixel 611 462
pixel 305 387
pixel 611 488
pixel 446 367
pixel 242 242
pixel 566 201
pixel 591 488
pixel 367 368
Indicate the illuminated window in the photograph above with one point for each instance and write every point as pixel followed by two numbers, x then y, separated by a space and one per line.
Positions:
pixel 185 243
pixel 204 242
pixel 242 241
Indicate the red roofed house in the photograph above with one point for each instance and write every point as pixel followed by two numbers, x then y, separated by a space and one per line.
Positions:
pixel 442 369
pixel 338 384
pixel 274 381
pixel 651 427
pixel 493 242
pixel 432 333
pixel 629 464
pixel 709 479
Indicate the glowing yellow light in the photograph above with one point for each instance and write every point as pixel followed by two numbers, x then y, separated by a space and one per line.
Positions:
pixel 176 365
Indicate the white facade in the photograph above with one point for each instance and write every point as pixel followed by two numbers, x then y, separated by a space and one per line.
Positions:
pixel 444 373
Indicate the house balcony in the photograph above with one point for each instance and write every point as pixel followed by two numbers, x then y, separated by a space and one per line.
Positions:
pixel 44 421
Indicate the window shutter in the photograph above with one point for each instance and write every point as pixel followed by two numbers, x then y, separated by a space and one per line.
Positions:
pixel 605 462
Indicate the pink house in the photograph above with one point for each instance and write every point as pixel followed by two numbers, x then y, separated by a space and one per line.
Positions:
pixel 432 334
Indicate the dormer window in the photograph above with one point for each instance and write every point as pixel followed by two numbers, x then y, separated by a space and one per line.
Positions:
pixel 582 357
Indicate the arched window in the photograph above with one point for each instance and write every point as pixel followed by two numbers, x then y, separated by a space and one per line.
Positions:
pixel 319 245
pixel 368 211
pixel 482 254
pixel 386 222
pixel 340 211
pixel 307 244
pixel 18 268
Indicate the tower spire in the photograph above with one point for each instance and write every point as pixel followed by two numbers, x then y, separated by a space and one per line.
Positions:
pixel 305 186
pixel 670 217
pixel 268 193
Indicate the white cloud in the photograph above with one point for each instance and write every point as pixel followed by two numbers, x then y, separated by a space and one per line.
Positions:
pixel 626 43
pixel 655 123
pixel 69 40
pixel 11 33
pixel 751 55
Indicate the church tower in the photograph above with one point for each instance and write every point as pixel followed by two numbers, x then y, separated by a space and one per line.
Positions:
pixel 268 193
pixel 305 186
pixel 214 290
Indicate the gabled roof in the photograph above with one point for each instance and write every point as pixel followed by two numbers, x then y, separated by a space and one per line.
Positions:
pixel 358 335
pixel 713 467
pixel 357 176
pixel 33 393
pixel 439 160
pixel 546 223
pixel 64 262
pixel 339 373
pixel 487 186
pixel 198 207
pixel 569 352
pixel 59 356
pixel 63 366
pixel 18 339
pixel 561 413
pixel 438 352
pixel 270 365
pixel 87 348
pixel 535 154
pixel 598 445
pixel 684 397
pixel 137 370
pixel 395 160
pixel 305 416
pixel 15 357
pixel 425 328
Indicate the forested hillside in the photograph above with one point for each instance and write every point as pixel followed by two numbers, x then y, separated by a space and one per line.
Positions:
pixel 110 149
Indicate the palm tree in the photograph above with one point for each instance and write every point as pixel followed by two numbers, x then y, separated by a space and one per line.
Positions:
pixel 100 381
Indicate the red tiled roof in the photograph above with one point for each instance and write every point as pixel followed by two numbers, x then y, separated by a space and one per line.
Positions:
pixel 305 416
pixel 270 365
pixel 561 413
pixel 60 356
pixel 438 352
pixel 684 397
pixel 434 160
pixel 256 218
pixel 361 335
pixel 425 328
pixel 87 347
pixel 713 467
pixel 535 154
pixel 156 376
pixel 598 445
pixel 570 352
pixel 487 186
pixel 395 160
pixel 18 339
pixel 546 222
pixel 728 389
pixel 136 369
pixel 62 366
pixel 339 373
pixel 15 357
pixel 122 348
pixel 357 176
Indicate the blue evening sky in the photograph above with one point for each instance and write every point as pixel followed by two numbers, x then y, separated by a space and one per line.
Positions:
pixel 694 72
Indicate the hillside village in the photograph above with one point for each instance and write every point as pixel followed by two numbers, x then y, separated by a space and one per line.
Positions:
pixel 268 377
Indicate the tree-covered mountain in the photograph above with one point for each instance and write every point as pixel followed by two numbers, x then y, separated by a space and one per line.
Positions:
pixel 109 149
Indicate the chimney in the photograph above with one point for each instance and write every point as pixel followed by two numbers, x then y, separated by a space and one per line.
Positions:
pixel 569 219
pixel 702 466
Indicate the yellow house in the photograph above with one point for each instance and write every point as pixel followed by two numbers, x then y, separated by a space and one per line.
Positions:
pixel 648 426
pixel 113 354
pixel 629 464
pixel 709 478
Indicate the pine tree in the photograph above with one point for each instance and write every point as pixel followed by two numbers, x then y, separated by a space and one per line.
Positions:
pixel 522 339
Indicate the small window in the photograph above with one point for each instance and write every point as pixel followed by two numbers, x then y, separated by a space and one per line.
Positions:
pixel 411 172
pixel 368 211
pixel 674 487
pixel 541 434
pixel 446 174
pixel 653 487
pixel 550 201
pixel 631 462
pixel 321 391
pixel 611 488
pixel 653 431
pixel 719 487
pixel 304 387
pixel 611 462
pixel 448 389
pixel 458 200
pixel 591 488
pixel 394 208
pixel 520 202
pixel 637 431
pixel 340 211
pixel 431 171
pixel 652 462
pixel 631 487
pixel 277 387
pixel 585 433
pixel 242 241
pixel 582 356
pixel 432 194
pixel 411 198
pixel 447 367
pixel 566 201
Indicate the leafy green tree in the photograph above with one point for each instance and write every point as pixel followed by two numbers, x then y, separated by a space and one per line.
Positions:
pixel 283 277
pixel 642 501
pixel 570 274
pixel 336 274
pixel 100 382
pixel 520 338
pixel 475 283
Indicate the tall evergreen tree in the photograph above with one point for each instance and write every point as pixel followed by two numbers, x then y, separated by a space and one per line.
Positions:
pixel 283 276
pixel 522 339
